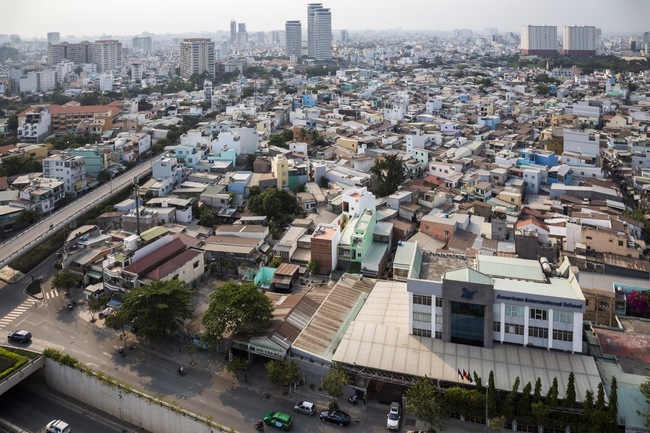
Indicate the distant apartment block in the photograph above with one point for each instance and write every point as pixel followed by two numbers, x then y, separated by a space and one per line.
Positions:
pixel 197 56
pixel 319 31
pixel 53 37
pixel 69 169
pixel 538 40
pixel 579 41
pixel 105 54
pixel 34 125
pixel 293 30
pixel 68 118
pixel 142 43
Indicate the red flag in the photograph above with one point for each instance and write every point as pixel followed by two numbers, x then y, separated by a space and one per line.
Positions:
pixel 465 375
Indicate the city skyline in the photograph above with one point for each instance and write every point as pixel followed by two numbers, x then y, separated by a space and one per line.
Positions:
pixel 35 18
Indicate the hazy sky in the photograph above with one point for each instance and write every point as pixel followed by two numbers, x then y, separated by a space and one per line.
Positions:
pixel 34 18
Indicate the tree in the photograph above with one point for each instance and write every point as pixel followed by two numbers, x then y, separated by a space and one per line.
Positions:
pixel 236 308
pixel 95 304
pixel 477 381
pixel 523 409
pixel 511 400
pixel 236 365
pixel 644 388
pixel 324 183
pixel 599 415
pixel 65 280
pixel 283 372
pixel 613 405
pixel 276 262
pixel 104 176
pixel 334 382
pixel 537 393
pixel 492 396
pixel 29 217
pixel 207 218
pixel 570 395
pixel 638 303
pixel 156 309
pixel 551 396
pixel 424 400
pixel 277 204
pixel 587 410
pixel 313 267
pixel 387 175
pixel 541 412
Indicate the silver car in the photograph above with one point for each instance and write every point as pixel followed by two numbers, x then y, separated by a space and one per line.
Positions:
pixel 393 417
pixel 305 407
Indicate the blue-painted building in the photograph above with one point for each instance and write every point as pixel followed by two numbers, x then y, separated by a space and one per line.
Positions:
pixel 489 121
pixel 308 100
pixel 537 157
pixel 560 174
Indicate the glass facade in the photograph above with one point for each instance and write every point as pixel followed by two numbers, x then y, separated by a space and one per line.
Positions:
pixel 467 322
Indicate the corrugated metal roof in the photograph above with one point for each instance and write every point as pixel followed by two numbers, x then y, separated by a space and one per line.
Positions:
pixel 506 267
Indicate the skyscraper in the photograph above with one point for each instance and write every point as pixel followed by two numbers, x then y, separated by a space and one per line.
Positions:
pixel 538 40
pixel 53 37
pixel 579 41
pixel 319 32
pixel 197 56
pixel 242 34
pixel 233 31
pixel 293 31
pixel 107 54
pixel 142 43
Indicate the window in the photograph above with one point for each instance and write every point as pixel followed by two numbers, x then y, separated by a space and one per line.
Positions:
pixel 620 243
pixel 538 314
pixel 421 300
pixel 422 332
pixel 496 326
pixel 514 311
pixel 563 317
pixel 438 335
pixel 438 301
pixel 496 309
pixel 438 319
pixel 562 335
pixel 512 328
pixel 195 264
pixel 421 317
pixel 535 331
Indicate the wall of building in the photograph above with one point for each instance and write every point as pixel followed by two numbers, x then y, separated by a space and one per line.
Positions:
pixel 126 404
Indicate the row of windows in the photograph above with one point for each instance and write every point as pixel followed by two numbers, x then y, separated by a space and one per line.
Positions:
pixel 513 328
pixel 562 335
pixel 426 333
pixel 422 300
pixel 535 331
pixel 535 313
pixel 421 317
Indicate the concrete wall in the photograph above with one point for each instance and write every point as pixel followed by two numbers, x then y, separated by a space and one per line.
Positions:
pixel 128 405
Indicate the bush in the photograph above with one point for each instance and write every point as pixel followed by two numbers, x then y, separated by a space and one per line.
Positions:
pixel 333 405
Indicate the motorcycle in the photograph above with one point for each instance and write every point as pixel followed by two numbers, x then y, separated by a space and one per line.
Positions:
pixel 72 304
pixel 354 399
pixel 121 352
pixel 181 370
pixel 259 425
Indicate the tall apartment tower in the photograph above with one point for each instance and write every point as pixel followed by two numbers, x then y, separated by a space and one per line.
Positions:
pixel 293 31
pixel 579 41
pixel 538 40
pixel 233 31
pixel 142 43
pixel 53 38
pixel 197 56
pixel 107 55
pixel 78 53
pixel 242 34
pixel 319 32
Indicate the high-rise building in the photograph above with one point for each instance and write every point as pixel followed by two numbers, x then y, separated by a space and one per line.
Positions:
pixel 538 40
pixel 319 32
pixel 107 54
pixel 197 56
pixel 79 53
pixel 233 31
pixel 579 41
pixel 242 35
pixel 293 31
pixel 53 37
pixel 142 43
pixel 345 37
pixel 137 70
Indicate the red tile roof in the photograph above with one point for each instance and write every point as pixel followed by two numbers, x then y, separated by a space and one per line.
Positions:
pixel 172 265
pixel 156 258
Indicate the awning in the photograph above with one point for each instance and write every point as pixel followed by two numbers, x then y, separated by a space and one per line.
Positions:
pixel 95 275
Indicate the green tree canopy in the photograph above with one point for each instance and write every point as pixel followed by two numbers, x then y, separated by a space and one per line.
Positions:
pixel 29 217
pixel 537 394
pixel 236 308
pixel 551 396
pixel 65 280
pixel 334 382
pixel 283 372
pixel 155 309
pixel 277 204
pixel 570 395
pixel 387 175
pixel 14 165
pixel 425 401
pixel 492 396
pixel 613 404
pixel 645 391
pixel 523 409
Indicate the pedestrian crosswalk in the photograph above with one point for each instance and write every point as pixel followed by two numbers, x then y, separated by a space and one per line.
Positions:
pixel 16 312
pixel 51 294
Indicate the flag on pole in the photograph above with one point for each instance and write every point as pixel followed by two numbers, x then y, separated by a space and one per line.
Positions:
pixel 465 375
pixel 469 377
pixel 460 374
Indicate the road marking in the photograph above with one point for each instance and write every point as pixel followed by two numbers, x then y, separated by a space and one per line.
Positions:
pixel 16 313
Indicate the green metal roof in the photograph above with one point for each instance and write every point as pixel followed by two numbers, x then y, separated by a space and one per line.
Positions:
pixel 153 233
pixel 469 275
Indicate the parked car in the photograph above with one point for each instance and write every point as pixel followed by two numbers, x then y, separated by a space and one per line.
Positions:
pixel 393 417
pixel 106 312
pixel 21 336
pixel 58 426
pixel 335 417
pixel 306 407
pixel 279 419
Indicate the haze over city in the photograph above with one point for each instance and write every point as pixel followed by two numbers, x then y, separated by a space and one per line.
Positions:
pixel 34 18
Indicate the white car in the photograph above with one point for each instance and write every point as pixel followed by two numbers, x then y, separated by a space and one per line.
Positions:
pixel 306 407
pixel 394 415
pixel 58 426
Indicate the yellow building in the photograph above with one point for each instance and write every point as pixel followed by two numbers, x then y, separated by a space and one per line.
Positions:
pixel 280 170
pixel 350 144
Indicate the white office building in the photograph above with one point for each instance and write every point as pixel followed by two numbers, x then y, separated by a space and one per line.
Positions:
pixel 319 32
pixel 107 55
pixel 293 30
pixel 197 56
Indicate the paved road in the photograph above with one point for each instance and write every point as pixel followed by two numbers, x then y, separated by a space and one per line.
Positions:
pixel 48 225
